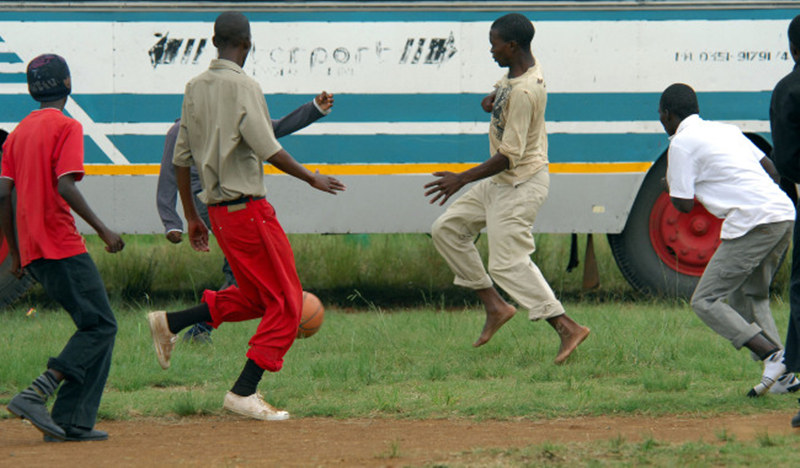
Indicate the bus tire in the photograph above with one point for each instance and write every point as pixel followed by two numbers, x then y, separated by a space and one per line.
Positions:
pixel 11 287
pixel 633 248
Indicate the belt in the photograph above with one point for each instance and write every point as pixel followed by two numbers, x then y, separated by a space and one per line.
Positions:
pixel 236 202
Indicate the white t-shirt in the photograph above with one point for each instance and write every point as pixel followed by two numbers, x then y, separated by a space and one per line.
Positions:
pixel 716 163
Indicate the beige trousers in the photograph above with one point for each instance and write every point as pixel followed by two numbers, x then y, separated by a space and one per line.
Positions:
pixel 507 212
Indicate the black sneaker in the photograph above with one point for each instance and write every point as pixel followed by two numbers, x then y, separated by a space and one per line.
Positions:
pixel 28 405
pixel 796 418
pixel 79 436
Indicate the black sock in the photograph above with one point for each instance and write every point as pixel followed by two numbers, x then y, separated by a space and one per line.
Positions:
pixel 769 353
pixel 177 321
pixel 248 379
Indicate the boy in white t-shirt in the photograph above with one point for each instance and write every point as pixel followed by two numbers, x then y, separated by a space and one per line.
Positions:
pixel 735 181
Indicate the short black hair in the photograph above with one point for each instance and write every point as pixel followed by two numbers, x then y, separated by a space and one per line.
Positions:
pixel 794 31
pixel 679 99
pixel 231 29
pixel 515 27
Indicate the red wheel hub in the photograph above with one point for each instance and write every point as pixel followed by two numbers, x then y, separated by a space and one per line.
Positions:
pixel 684 241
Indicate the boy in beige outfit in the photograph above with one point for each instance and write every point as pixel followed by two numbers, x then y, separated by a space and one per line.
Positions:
pixel 512 186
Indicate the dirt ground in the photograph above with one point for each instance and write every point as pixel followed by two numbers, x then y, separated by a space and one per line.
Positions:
pixel 230 441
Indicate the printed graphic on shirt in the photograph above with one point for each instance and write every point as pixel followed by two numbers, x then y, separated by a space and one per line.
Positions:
pixel 500 101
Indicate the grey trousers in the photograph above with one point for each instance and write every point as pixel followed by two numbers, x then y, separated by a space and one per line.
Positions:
pixel 732 296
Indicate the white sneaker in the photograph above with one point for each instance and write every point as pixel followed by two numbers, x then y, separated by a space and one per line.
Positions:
pixel 773 369
pixel 163 339
pixel 787 383
pixel 253 406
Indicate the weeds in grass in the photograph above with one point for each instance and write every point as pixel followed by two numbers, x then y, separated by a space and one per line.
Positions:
pixel 724 436
pixel 392 451
pixel 764 439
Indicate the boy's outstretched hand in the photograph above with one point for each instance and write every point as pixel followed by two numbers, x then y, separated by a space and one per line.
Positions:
pixel 114 242
pixel 444 187
pixel 325 101
pixel 327 183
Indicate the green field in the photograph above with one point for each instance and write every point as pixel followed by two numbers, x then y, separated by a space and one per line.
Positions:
pixel 388 270
pixel 370 360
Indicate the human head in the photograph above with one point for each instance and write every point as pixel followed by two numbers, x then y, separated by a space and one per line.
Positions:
pixel 794 38
pixel 677 102
pixel 232 36
pixel 514 27
pixel 48 78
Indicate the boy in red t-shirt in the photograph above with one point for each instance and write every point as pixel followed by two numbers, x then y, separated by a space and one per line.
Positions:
pixel 42 159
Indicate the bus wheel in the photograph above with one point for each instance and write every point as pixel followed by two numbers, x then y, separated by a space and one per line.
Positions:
pixel 662 251
pixel 11 287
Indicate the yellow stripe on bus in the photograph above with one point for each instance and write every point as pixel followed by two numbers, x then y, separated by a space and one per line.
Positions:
pixel 388 169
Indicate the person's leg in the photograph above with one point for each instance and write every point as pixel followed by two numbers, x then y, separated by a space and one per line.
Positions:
pixel 262 260
pixel 453 235
pixel 511 212
pixel 792 349
pixel 201 332
pixel 85 361
pixel 751 300
pixel 730 268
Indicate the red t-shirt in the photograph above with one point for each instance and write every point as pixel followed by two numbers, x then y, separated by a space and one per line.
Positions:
pixel 43 147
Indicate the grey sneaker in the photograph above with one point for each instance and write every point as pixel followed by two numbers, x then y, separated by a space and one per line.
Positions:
pixel 163 339
pixel 30 406
pixel 253 406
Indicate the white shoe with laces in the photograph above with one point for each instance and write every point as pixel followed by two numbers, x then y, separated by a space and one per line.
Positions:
pixel 787 383
pixel 253 406
pixel 163 339
pixel 773 370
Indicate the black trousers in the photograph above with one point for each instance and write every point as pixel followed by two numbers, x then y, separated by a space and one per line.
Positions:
pixel 75 284
pixel 792 346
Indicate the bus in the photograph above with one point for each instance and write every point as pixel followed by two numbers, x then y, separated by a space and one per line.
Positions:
pixel 408 78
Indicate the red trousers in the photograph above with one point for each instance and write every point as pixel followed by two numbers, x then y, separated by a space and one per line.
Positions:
pixel 268 287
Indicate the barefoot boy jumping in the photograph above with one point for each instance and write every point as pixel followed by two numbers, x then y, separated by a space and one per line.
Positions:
pixel 512 186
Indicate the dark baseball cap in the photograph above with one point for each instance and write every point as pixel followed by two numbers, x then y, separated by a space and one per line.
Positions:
pixel 49 78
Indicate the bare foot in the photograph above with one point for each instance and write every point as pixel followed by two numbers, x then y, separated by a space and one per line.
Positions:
pixel 495 319
pixel 570 339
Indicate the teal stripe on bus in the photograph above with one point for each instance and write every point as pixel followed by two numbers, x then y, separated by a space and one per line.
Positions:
pixel 12 78
pixel 632 11
pixel 9 57
pixel 406 149
pixel 578 107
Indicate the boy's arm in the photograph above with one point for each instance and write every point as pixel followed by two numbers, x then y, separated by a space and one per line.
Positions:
pixel 768 166
pixel 70 193
pixel 449 183
pixel 8 227
pixel 303 116
pixel 286 163
pixel 684 205
pixel 196 229
pixel 167 192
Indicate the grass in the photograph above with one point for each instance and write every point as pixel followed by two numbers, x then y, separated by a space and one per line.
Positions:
pixel 645 359
pixel 388 270
pixel 780 451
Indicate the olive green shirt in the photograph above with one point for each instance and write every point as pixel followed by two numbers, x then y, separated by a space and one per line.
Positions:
pixel 517 129
pixel 226 132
